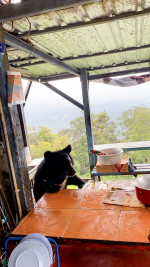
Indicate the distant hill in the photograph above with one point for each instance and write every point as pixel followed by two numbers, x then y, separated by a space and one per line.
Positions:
pixel 46 108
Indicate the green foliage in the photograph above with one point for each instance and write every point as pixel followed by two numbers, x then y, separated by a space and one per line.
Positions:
pixel 134 125
pixel 117 177
pixel 37 151
pixel 33 135
pixel 60 142
pixel 44 139
pixel 139 157
pixel 103 129
pixel 46 134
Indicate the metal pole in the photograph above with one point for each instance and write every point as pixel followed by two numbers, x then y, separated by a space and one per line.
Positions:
pixel 27 90
pixel 70 99
pixel 87 115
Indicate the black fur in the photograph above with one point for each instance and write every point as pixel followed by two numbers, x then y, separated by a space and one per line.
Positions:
pixel 53 171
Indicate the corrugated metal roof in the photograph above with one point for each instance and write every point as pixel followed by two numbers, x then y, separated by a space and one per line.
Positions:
pixel 117 42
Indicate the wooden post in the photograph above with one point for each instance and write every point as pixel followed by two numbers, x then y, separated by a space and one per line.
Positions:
pixel 5 181
pixel 14 144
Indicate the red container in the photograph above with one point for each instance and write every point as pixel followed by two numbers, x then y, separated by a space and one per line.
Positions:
pixel 143 195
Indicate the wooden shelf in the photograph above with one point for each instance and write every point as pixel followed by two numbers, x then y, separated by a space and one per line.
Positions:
pixel 140 169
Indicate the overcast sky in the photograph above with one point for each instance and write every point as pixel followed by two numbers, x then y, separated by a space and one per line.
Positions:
pixel 45 107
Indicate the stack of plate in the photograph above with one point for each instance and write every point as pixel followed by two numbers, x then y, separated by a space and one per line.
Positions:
pixel 34 250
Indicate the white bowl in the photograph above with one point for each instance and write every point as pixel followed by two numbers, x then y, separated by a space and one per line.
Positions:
pixel 114 157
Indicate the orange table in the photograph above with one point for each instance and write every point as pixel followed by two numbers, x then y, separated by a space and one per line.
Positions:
pixel 71 216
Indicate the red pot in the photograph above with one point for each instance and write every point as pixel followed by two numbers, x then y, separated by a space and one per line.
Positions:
pixel 143 195
pixel 142 188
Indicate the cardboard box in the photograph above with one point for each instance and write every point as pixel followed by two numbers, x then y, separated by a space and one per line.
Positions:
pixel 119 167
pixel 15 88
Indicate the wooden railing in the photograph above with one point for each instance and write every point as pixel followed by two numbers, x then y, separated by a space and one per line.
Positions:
pixel 131 146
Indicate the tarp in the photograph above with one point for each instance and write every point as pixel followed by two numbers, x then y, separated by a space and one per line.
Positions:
pixel 127 80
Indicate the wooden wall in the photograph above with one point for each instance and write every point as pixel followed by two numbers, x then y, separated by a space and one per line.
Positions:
pixel 12 152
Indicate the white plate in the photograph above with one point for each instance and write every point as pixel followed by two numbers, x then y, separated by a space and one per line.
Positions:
pixel 43 239
pixel 30 253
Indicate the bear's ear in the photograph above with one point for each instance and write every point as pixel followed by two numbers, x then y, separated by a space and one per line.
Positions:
pixel 67 149
pixel 47 155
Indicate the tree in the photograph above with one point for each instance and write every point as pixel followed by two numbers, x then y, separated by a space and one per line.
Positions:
pixel 60 142
pixel 103 129
pixel 46 134
pixel 37 151
pixel 135 126
pixel 33 135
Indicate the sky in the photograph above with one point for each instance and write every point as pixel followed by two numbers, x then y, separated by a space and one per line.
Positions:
pixel 46 108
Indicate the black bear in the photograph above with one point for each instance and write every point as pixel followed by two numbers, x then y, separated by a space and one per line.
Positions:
pixel 55 172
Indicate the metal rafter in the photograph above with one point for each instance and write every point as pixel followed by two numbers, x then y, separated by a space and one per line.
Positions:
pixel 94 22
pixel 114 65
pixel 54 89
pixel 27 90
pixel 70 99
pixel 45 79
pixel 111 52
pixel 36 7
pixel 118 73
pixel 21 45
pixel 123 64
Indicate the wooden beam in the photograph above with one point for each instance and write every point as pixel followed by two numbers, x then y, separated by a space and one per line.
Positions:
pixel 36 7
pixel 5 173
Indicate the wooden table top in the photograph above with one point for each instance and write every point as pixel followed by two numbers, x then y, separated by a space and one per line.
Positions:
pixel 82 214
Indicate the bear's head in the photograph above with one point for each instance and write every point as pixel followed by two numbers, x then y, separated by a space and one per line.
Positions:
pixel 60 162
